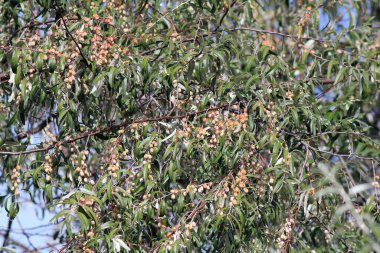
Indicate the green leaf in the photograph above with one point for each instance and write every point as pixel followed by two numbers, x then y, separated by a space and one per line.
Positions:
pixel 97 84
pixel 14 60
pixel 13 210
pixel 6 249
pixel 84 222
pixel 40 62
pixel 13 119
pixel 52 65
pixel 88 192
pixel 339 77
pixel 18 76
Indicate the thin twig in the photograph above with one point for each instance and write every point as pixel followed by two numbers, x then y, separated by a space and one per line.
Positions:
pixel 76 43
pixel 142 7
pixel 164 16
pixel 16 243
pixel 26 235
pixel 225 15
pixel 273 33
pixel 339 155
pixel 34 24
pixel 65 246
pixel 303 141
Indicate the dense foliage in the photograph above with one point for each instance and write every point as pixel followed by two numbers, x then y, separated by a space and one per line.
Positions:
pixel 193 126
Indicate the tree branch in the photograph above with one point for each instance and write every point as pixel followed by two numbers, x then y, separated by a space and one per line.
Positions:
pixel 114 127
pixel 7 233
pixel 233 30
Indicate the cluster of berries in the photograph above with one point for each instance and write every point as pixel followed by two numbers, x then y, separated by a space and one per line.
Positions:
pixel 285 232
pixel 48 167
pixel 15 178
pixel 81 165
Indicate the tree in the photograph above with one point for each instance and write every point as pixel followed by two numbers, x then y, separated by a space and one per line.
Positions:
pixel 193 126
